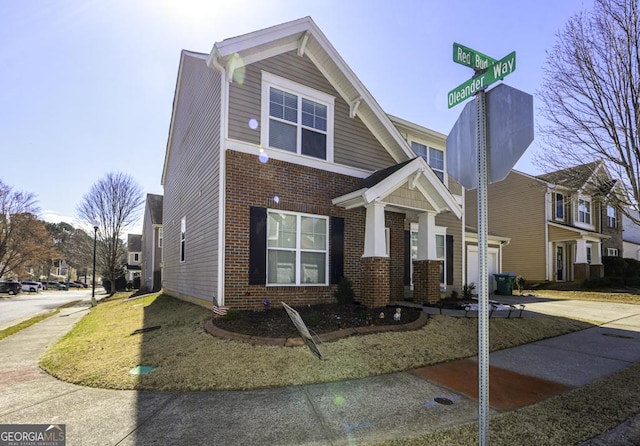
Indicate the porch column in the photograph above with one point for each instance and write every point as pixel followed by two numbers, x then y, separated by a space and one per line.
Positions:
pixel 426 269
pixel 581 267
pixel 375 285
pixel 596 269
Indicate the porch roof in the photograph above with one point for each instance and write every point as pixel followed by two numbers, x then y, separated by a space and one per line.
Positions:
pixel 415 176
pixel 559 233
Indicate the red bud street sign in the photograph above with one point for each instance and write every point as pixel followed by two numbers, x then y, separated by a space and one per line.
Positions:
pixel 471 58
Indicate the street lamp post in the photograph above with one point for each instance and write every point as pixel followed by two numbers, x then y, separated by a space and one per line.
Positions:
pixel 93 285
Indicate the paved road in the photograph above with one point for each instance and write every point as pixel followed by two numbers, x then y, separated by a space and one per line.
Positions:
pixel 14 309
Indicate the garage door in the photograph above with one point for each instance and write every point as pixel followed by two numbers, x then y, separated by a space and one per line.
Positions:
pixel 472 266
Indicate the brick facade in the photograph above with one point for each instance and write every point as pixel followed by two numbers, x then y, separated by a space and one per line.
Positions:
pixel 375 288
pixel 596 271
pixel 290 187
pixel 581 272
pixel 615 233
pixel 426 281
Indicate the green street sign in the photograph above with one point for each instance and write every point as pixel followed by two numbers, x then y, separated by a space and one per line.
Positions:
pixel 495 72
pixel 471 58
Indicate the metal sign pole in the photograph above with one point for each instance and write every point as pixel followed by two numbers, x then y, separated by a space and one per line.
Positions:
pixel 483 292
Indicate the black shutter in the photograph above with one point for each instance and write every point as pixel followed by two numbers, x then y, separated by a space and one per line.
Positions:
pixel 407 257
pixel 448 263
pixel 336 249
pixel 258 246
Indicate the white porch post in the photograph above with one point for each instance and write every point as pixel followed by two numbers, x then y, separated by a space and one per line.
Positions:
pixel 581 251
pixel 375 243
pixel 427 236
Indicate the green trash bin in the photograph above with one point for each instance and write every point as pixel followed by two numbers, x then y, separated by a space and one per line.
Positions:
pixel 505 283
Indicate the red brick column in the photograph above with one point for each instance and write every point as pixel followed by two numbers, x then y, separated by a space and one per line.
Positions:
pixel 426 281
pixel 596 271
pixel 375 284
pixel 581 272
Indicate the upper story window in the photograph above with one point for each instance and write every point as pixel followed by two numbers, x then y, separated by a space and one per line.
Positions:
pixel 434 157
pixel 297 249
pixel 559 205
pixel 160 236
pixel 584 211
pixel 134 257
pixel 612 252
pixel 296 118
pixel 612 220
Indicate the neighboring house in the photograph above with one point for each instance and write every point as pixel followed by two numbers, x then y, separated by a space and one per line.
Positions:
pixel 560 224
pixel 631 236
pixel 152 243
pixel 134 256
pixel 282 175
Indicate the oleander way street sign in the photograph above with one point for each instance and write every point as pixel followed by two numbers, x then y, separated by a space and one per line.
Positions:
pixel 493 73
pixel 471 58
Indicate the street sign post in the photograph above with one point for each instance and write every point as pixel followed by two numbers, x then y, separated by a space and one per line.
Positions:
pixel 493 73
pixel 471 58
pixel 509 126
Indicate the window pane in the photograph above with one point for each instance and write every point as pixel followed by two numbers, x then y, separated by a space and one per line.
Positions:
pixel 414 245
pixel 313 267
pixel 314 144
pixel 439 174
pixel 282 136
pixel 440 246
pixel 281 267
pixel 282 230
pixel 436 158
pixel 283 105
pixel 314 115
pixel 313 233
pixel 419 149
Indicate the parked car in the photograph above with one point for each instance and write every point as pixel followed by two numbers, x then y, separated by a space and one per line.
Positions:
pixel 74 285
pixel 44 285
pixel 10 287
pixel 57 285
pixel 83 285
pixel 32 287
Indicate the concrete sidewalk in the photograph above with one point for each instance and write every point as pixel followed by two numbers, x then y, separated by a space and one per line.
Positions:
pixel 350 412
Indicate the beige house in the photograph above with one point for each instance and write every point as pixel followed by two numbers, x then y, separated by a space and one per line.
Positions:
pixel 560 224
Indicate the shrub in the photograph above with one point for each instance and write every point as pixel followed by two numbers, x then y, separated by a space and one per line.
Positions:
pixel 344 294
pixel 454 295
pixel 613 266
pixel 603 282
pixel 520 283
pixel 467 290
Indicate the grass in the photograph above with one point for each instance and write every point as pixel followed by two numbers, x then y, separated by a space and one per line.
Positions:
pixel 100 350
pixel 612 297
pixel 32 321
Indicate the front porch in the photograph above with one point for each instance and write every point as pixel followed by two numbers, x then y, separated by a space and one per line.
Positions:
pixel 575 255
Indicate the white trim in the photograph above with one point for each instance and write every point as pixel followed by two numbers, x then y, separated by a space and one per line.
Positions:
pixel 299 250
pixel 271 80
pixel 591 225
pixel 222 223
pixel 429 146
pixel 294 158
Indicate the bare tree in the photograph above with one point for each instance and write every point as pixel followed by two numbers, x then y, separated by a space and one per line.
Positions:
pixel 24 240
pixel 591 96
pixel 112 205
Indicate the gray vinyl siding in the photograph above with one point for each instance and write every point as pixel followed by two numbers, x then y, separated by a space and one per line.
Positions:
pixel 354 144
pixel 516 209
pixel 191 187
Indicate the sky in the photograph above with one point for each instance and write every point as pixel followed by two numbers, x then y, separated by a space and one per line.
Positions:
pixel 87 86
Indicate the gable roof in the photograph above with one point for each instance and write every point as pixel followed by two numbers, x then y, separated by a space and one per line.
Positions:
pixel 134 242
pixel 416 172
pixel 304 36
pixel 574 178
pixel 154 204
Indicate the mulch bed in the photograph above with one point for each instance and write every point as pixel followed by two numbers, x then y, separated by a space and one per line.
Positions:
pixel 275 322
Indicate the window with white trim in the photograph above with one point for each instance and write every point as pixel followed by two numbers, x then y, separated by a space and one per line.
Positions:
pixel 559 204
pixel 612 252
pixel 296 118
pixel 183 238
pixel 612 220
pixel 584 211
pixel 589 254
pixel 160 235
pixel 297 248
pixel 434 157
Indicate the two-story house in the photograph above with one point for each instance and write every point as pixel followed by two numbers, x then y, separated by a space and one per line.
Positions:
pixel 282 175
pixel 152 243
pixel 560 223
pixel 134 256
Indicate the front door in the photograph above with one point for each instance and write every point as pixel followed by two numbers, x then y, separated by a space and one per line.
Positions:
pixel 560 273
